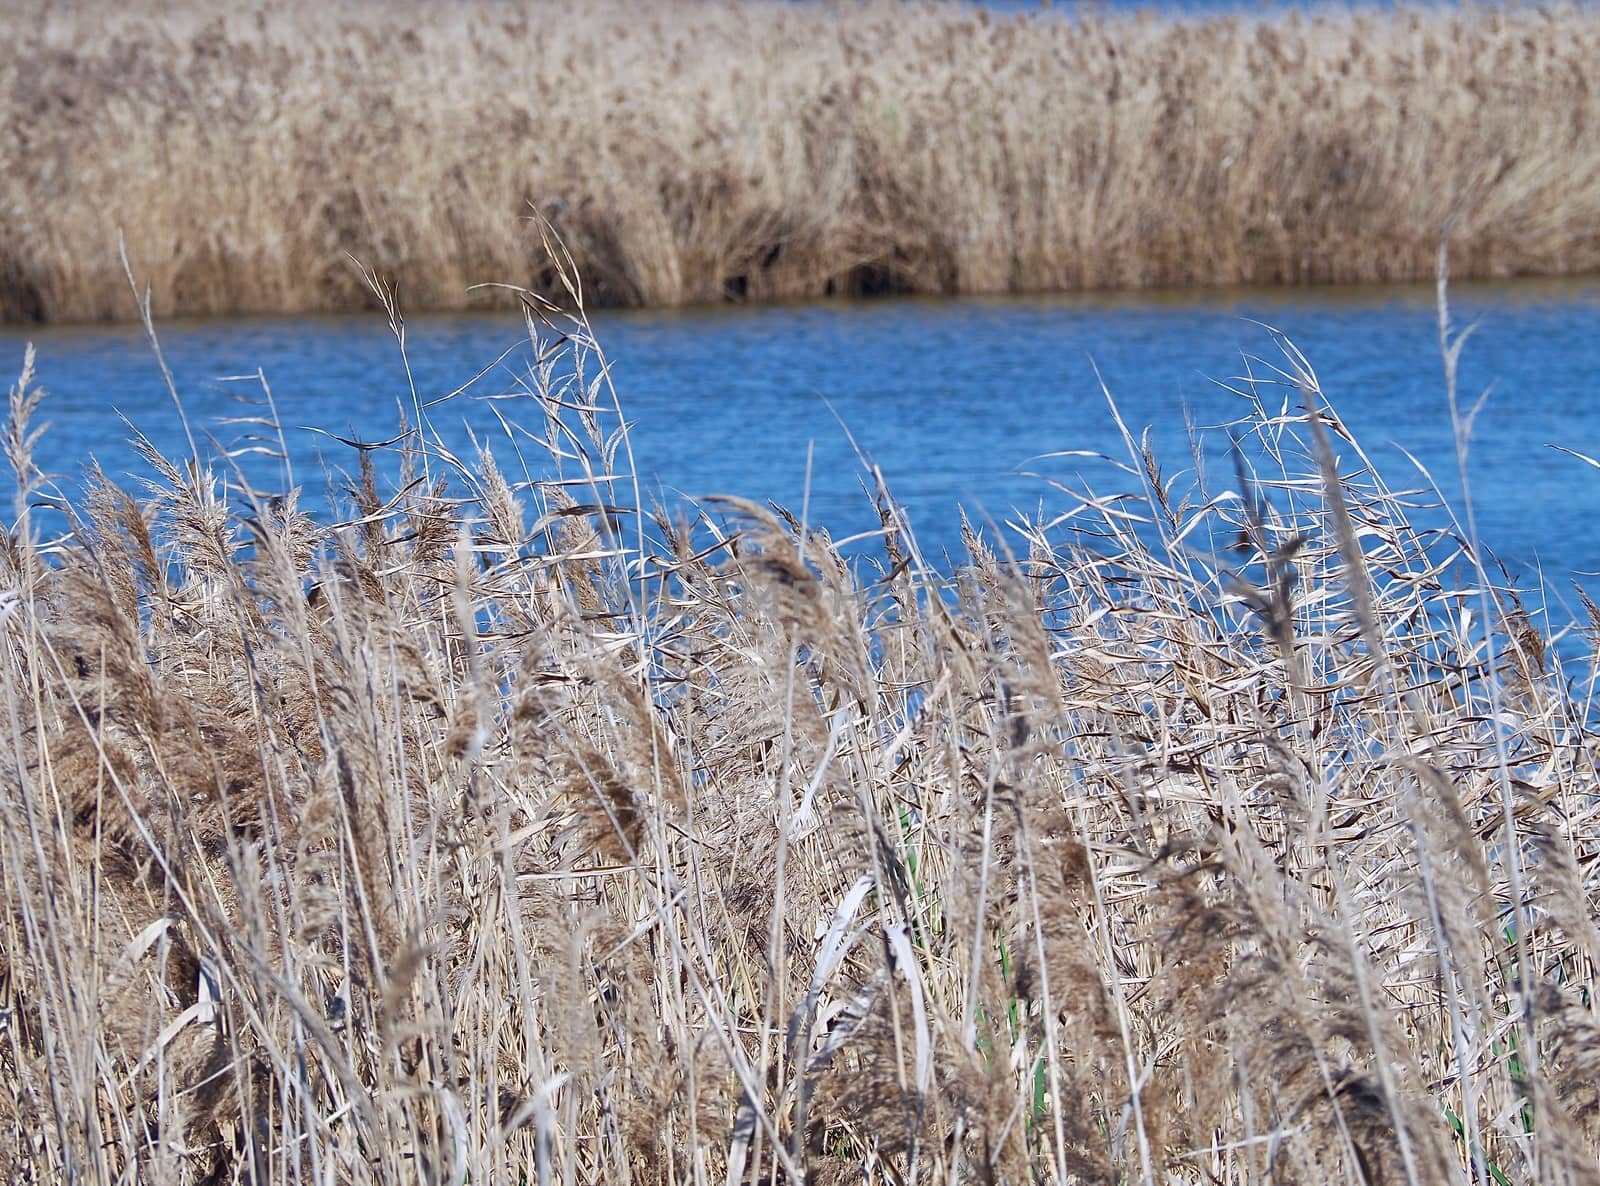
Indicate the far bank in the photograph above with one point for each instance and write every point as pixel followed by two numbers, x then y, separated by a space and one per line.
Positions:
pixel 694 153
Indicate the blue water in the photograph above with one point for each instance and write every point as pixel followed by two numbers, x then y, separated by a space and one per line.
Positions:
pixel 952 398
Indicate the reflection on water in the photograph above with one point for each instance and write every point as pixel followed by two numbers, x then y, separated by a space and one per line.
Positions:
pixel 952 398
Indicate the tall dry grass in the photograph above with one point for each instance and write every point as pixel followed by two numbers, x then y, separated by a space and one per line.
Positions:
pixel 696 151
pixel 1246 836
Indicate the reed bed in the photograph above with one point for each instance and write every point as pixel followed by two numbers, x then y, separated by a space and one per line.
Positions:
pixel 697 152
pixel 1232 830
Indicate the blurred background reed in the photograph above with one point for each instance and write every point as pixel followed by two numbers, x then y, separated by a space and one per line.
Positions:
pixel 693 152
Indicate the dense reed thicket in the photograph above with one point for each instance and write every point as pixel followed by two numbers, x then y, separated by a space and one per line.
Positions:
pixel 693 151
pixel 492 834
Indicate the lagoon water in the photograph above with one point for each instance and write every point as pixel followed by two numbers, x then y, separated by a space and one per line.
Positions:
pixel 954 399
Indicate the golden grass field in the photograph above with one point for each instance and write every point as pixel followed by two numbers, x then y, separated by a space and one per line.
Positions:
pixel 500 831
pixel 695 151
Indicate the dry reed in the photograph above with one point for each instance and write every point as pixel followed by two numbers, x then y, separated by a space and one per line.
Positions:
pixel 701 151
pixel 485 835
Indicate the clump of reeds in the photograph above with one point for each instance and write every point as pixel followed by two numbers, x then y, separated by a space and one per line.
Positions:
pixel 694 152
pixel 501 831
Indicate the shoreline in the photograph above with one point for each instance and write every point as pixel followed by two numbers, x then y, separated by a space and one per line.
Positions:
pixel 1514 290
